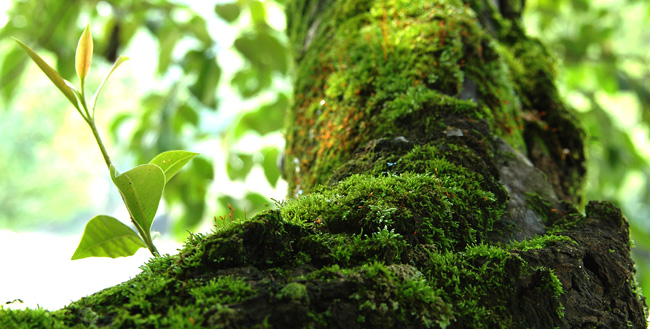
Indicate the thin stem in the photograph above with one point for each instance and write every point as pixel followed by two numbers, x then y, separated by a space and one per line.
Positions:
pixel 93 127
pixel 147 239
pixel 85 107
pixel 153 249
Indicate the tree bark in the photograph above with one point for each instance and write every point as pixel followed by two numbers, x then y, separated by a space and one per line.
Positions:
pixel 447 113
pixel 436 175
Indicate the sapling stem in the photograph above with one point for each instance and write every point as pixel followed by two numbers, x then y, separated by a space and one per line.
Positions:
pixel 140 188
pixel 93 127
pixel 90 119
pixel 107 159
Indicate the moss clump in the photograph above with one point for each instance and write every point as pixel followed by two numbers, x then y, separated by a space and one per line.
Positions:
pixel 427 209
pixel 296 292
pixel 383 296
pixel 30 318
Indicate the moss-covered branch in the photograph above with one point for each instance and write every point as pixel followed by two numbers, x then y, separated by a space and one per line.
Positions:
pixel 436 176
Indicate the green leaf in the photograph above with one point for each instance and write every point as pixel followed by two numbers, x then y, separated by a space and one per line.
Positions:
pixel 168 36
pixel 239 165
pixel 193 210
pixel 207 72
pixel 106 236
pixel 56 79
pixel 274 56
pixel 198 27
pixel 13 66
pixel 141 188
pixel 203 168
pixel 251 81
pixel 228 11
pixel 258 12
pixel 256 203
pixel 186 113
pixel 117 122
pixel 270 165
pixel 171 162
pixel 84 54
pixel 119 61
pixel 266 119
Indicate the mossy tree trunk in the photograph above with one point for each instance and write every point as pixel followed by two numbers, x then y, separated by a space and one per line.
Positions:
pixel 431 135
pixel 436 176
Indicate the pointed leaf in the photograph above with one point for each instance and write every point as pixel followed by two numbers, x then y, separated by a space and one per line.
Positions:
pixel 51 73
pixel 119 61
pixel 141 188
pixel 106 236
pixel 13 65
pixel 270 165
pixel 84 54
pixel 171 162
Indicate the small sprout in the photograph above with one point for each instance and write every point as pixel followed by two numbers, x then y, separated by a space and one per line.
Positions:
pixel 141 187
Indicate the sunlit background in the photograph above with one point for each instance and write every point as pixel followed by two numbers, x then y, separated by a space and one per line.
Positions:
pixel 215 79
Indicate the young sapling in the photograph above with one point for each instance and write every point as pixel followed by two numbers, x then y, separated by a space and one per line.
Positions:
pixel 141 187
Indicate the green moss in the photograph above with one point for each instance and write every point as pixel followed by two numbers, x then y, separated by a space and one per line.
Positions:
pixel 388 295
pixel 542 207
pixel 540 242
pixel 31 318
pixel 428 209
pixel 383 280
pixel 555 220
pixel 222 290
pixel 364 64
pixel 295 292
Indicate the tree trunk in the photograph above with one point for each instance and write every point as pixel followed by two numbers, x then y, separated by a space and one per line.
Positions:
pixel 430 136
pixel 436 173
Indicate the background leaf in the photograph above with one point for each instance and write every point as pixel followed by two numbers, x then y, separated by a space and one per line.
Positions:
pixel 228 11
pixel 270 165
pixel 105 236
pixel 239 165
pixel 208 73
pixel 274 56
pixel 13 65
pixel 266 119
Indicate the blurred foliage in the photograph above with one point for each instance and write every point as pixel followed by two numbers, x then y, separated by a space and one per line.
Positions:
pixel 604 71
pixel 188 60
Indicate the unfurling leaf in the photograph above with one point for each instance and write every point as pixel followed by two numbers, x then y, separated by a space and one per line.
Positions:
pixel 52 74
pixel 141 188
pixel 106 236
pixel 119 61
pixel 84 54
pixel 171 162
